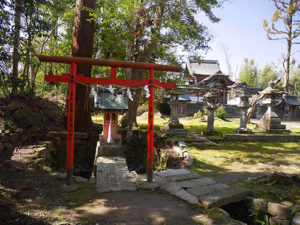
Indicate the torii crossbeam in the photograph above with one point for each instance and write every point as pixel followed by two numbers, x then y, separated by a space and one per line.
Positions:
pixel 72 78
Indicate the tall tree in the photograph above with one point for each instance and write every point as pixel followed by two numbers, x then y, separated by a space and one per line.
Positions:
pixel 151 31
pixel 16 42
pixel 268 74
pixel 83 40
pixel 285 25
pixel 249 73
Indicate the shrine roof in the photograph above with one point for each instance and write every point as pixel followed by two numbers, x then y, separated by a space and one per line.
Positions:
pixel 204 67
pixel 291 100
pixel 108 101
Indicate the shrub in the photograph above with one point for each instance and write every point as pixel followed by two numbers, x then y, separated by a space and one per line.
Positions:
pixel 199 114
pixel 164 107
pixel 220 113
pixel 142 108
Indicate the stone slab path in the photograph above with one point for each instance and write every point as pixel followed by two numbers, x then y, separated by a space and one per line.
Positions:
pixel 113 175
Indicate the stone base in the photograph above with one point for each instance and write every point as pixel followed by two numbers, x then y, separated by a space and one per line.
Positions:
pixel 209 133
pixel 105 149
pixel 173 126
pixel 175 131
pixel 270 122
pixel 243 130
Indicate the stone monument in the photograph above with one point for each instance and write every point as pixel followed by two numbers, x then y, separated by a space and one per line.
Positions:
pixel 211 98
pixel 271 122
pixel 244 106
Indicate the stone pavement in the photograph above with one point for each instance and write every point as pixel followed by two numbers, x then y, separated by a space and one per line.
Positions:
pixel 113 175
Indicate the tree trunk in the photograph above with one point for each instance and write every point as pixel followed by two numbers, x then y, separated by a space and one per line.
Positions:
pixel 83 47
pixel 288 54
pixel 16 41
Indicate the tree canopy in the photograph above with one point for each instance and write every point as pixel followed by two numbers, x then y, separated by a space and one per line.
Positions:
pixel 249 73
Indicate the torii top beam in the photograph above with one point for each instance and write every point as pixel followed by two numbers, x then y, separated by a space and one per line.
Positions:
pixel 109 63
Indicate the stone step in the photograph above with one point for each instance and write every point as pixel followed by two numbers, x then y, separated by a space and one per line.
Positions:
pixel 220 198
pixel 113 175
pixel 277 126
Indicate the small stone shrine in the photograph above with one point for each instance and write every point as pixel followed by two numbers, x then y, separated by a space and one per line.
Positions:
pixel 173 125
pixel 271 122
pixel 110 142
pixel 211 98
pixel 244 106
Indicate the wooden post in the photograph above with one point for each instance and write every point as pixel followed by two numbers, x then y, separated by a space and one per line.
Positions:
pixel 150 128
pixel 71 116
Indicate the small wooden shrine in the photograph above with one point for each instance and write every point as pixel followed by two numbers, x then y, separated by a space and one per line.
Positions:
pixel 110 142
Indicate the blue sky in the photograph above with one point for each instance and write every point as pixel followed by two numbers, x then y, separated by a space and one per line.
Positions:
pixel 241 33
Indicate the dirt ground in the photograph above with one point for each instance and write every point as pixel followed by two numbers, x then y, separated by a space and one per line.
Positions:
pixel 29 195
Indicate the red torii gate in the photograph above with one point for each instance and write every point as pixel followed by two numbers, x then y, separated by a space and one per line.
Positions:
pixel 72 78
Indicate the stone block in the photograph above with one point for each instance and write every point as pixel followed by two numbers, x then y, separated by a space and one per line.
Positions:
pixel 296 219
pixel 172 172
pixel 278 221
pixel 196 183
pixel 218 199
pixel 182 177
pixel 279 210
pixel 184 195
pixel 207 189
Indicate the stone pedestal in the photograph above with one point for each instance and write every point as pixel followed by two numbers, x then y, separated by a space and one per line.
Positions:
pixel 271 122
pixel 243 122
pixel 210 122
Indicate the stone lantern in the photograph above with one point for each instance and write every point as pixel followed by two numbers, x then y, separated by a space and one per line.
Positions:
pixel 211 98
pixel 244 106
pixel 174 124
pixel 271 122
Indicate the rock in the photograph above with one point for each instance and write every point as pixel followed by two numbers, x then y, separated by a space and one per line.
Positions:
pixel 19 115
pixel 33 130
pixel 279 210
pixel 296 219
pixel 80 179
pixel 27 122
pixel 4 138
pixel 207 189
pixel 258 205
pixel 287 203
pixel 11 108
pixel 278 221
pixel 8 145
pixel 14 137
pixel 1 147
pixel 295 208
pixel 283 179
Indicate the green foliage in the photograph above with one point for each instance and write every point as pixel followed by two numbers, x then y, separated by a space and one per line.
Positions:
pixel 295 80
pixel 198 114
pixel 249 73
pixel 269 73
pixel 220 113
pixel 142 108
pixel 205 111
pixel 164 107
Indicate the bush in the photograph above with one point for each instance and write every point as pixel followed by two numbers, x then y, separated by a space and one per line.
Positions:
pixel 220 113
pixel 164 107
pixel 142 108
pixel 199 114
